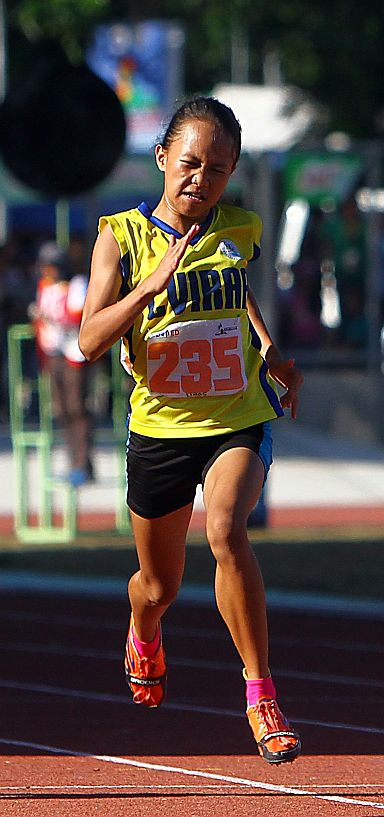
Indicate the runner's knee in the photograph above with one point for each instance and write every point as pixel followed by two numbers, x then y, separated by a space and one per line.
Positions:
pixel 160 593
pixel 227 535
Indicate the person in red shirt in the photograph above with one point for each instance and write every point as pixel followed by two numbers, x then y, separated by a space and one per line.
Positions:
pixel 57 314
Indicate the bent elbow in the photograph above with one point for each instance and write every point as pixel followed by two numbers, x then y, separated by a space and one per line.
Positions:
pixel 87 349
pixel 90 354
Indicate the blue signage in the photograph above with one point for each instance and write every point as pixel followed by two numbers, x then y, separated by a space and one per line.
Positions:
pixel 143 63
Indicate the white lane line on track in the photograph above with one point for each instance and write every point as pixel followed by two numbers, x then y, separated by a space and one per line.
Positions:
pixel 146 786
pixel 102 697
pixel 180 631
pixel 345 785
pixel 166 786
pixel 109 587
pixel 197 773
pixel 191 663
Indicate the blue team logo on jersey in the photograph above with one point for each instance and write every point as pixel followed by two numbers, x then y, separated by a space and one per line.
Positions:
pixel 228 248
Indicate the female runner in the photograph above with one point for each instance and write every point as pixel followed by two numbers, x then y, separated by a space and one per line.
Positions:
pixel 172 283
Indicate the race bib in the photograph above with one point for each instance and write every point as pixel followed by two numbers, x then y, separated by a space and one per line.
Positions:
pixel 196 358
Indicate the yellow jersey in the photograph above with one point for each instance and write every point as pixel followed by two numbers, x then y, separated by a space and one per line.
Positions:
pixel 193 352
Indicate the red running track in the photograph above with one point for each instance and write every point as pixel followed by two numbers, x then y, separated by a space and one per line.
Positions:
pixel 72 743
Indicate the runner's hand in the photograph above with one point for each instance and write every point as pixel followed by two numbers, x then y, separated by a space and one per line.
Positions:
pixel 177 247
pixel 285 373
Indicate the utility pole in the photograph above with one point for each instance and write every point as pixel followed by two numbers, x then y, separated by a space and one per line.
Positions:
pixel 239 55
pixel 3 89
pixel 272 69
pixel 3 53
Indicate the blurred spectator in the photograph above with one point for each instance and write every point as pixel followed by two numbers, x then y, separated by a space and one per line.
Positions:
pixel 300 303
pixel 3 342
pixel 345 244
pixel 56 314
pixel 77 255
pixel 381 268
pixel 332 263
pixel 17 290
pixel 19 283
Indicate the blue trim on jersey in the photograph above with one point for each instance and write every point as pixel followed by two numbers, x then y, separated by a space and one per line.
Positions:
pixel 269 391
pixel 125 266
pixel 255 340
pixel 128 337
pixel 266 446
pixel 146 211
pixel 256 253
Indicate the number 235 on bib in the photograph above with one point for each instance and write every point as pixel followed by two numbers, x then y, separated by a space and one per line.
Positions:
pixel 196 358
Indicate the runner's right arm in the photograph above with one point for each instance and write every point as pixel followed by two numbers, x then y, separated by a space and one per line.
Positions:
pixel 105 318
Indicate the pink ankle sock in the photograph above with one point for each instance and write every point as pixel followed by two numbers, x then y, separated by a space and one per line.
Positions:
pixel 259 688
pixel 147 648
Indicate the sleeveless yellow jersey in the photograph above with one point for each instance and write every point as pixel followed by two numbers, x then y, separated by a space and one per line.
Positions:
pixel 193 352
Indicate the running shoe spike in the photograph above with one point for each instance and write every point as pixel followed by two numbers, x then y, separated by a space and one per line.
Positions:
pixel 276 741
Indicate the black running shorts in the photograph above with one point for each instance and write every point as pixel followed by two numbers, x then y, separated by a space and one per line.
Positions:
pixel 163 474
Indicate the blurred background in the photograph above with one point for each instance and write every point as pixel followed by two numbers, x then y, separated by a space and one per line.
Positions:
pixel 306 86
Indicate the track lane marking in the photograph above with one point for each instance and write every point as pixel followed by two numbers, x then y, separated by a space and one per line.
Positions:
pixel 240 781
pixel 220 666
pixel 190 632
pixel 77 694
pixel 115 588
pixel 147 786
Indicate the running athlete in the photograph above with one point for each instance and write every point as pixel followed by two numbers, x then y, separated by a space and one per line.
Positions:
pixel 172 282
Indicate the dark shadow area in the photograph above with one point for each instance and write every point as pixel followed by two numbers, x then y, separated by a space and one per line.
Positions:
pixel 347 567
pixel 67 689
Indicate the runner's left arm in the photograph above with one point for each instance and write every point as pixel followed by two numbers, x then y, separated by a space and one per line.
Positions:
pixel 283 371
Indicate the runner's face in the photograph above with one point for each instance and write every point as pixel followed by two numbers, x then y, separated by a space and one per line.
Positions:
pixel 197 166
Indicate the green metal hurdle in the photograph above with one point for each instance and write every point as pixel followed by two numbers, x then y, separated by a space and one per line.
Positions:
pixel 38 442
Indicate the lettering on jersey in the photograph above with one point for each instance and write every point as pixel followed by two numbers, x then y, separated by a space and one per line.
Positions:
pixel 194 290
pixel 204 291
pixel 235 296
pixel 212 294
pixel 178 296
pixel 155 311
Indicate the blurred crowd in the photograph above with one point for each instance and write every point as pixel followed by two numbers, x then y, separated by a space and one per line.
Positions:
pixel 321 300
pixel 19 277
pixel 45 286
pixel 322 303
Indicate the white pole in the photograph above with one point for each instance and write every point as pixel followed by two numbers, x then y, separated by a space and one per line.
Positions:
pixel 3 88
pixel 3 53
pixel 239 55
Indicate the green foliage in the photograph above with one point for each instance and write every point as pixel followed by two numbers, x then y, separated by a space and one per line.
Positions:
pixel 333 50
pixel 67 21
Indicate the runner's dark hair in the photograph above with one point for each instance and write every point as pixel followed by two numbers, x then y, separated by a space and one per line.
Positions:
pixel 204 107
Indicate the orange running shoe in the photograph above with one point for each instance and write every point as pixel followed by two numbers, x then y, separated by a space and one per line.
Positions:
pixel 276 741
pixel 146 677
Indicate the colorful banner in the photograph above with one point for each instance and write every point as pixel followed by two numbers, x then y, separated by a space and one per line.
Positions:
pixel 143 63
